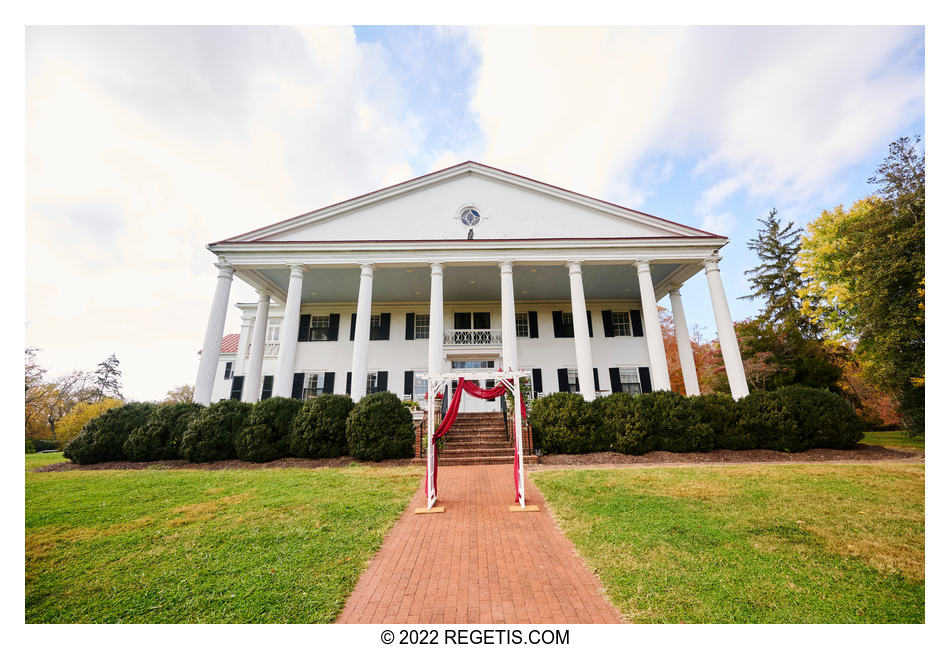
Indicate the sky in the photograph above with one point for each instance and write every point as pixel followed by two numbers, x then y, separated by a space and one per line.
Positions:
pixel 144 144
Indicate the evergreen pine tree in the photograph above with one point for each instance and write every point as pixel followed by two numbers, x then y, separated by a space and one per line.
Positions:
pixel 776 279
pixel 107 375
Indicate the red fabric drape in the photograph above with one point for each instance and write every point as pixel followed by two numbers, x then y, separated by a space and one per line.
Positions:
pixel 452 413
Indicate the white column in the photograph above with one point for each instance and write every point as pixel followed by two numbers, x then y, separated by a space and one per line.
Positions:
pixel 252 382
pixel 361 336
pixel 660 373
pixel 287 354
pixel 208 365
pixel 731 356
pixel 436 314
pixel 585 366
pixel 247 321
pixel 683 344
pixel 509 336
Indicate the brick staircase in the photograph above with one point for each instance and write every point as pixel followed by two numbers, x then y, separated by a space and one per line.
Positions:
pixel 479 438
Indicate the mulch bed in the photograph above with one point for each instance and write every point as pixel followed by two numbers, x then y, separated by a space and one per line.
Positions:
pixel 862 453
pixel 283 463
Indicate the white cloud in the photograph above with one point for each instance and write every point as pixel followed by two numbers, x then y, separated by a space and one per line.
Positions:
pixel 145 144
pixel 768 110
pixel 721 223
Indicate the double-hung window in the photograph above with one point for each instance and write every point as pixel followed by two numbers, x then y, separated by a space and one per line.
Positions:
pixel 372 384
pixel 422 326
pixel 573 385
pixel 418 386
pixel 621 322
pixel 630 380
pixel 522 329
pixel 319 327
pixel 227 369
pixel 314 385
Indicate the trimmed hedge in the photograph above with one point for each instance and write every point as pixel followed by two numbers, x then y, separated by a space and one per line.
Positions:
pixel 210 434
pixel 564 423
pixel 160 438
pixel 796 418
pixel 380 427
pixel 265 435
pixel 319 430
pixel 790 419
pixel 103 439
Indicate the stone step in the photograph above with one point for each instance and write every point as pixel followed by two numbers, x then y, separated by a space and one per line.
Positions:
pixel 509 459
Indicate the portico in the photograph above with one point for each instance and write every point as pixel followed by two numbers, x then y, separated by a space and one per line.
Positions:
pixel 506 296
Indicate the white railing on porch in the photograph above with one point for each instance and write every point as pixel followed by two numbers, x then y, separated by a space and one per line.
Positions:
pixel 472 337
pixel 270 349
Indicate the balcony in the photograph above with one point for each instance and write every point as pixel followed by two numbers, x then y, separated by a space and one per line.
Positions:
pixel 472 337
pixel 270 350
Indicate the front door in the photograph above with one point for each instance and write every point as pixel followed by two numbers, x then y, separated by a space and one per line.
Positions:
pixel 470 403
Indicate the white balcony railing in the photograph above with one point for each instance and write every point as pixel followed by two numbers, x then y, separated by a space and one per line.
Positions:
pixel 472 337
pixel 270 349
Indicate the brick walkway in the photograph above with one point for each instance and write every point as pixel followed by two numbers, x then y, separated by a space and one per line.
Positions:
pixel 477 562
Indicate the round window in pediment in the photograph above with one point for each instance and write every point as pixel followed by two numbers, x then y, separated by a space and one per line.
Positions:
pixel 469 216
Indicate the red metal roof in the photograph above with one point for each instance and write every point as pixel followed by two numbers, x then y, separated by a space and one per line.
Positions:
pixel 229 344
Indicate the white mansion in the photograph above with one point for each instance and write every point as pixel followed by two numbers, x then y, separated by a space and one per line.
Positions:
pixel 468 267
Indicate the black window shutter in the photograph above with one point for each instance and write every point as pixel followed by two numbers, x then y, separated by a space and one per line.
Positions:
pixel 410 326
pixel 596 380
pixel 237 387
pixel 608 317
pixel 536 379
pixel 267 387
pixel 562 384
pixel 303 333
pixel 352 326
pixel 636 322
pixel 532 324
pixel 615 385
pixel 559 328
pixel 645 385
pixel 349 382
pixel 383 327
pixel 328 382
pixel 590 326
pixel 334 332
pixel 296 391
pixel 382 381
pixel 407 383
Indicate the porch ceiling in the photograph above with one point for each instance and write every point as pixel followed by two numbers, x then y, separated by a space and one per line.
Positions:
pixel 531 282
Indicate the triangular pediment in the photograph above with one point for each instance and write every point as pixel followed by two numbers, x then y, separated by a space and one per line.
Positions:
pixel 508 206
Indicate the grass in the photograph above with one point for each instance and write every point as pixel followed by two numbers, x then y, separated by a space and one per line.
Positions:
pixel 893 438
pixel 203 546
pixel 789 544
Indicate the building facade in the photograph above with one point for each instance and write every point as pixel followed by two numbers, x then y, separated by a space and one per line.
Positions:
pixel 469 267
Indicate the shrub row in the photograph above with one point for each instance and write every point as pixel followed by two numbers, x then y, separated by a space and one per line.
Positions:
pixel 377 428
pixel 789 419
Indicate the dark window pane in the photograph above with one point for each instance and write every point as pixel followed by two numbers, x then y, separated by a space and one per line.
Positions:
pixel 463 320
pixel 481 320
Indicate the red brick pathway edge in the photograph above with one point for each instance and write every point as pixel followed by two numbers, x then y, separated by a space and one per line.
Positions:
pixel 477 562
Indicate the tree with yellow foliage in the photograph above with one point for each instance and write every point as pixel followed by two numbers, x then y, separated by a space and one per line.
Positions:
pixel 82 413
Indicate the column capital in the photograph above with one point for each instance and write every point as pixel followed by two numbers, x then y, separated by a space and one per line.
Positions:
pixel 712 263
pixel 506 266
pixel 436 267
pixel 263 294
pixel 225 269
pixel 675 289
pixel 296 270
pixel 367 269
pixel 642 265
pixel 574 265
pixel 247 319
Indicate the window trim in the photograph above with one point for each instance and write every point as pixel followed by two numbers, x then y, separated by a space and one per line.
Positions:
pixel 526 323
pixel 416 327
pixel 625 327
pixel 636 374
pixel 228 370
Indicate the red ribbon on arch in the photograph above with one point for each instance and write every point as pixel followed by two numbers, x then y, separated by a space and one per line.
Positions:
pixel 452 413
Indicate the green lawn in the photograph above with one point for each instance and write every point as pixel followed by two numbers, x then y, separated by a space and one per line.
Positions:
pixel 895 438
pixel 203 546
pixel 801 543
